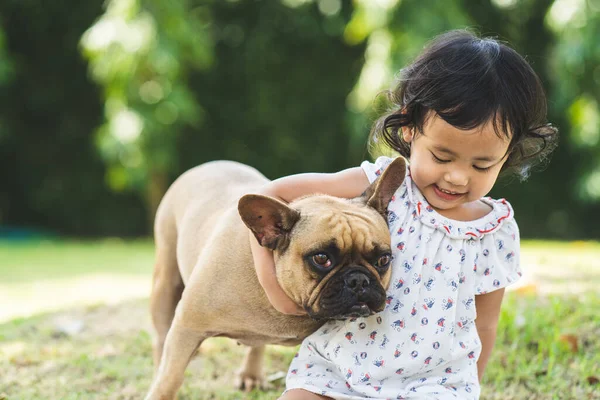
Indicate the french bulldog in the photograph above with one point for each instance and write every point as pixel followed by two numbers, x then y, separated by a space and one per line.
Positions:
pixel 332 257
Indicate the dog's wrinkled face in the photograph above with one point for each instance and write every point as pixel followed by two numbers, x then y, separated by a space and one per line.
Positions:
pixel 337 262
pixel 332 255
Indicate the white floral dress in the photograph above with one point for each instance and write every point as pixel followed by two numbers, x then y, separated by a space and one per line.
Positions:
pixel 424 345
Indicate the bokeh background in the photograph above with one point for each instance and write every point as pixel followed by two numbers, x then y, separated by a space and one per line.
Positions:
pixel 103 103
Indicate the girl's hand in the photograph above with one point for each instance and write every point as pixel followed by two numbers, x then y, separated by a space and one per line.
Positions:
pixel 265 270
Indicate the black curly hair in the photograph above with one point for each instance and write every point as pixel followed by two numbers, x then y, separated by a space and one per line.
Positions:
pixel 468 81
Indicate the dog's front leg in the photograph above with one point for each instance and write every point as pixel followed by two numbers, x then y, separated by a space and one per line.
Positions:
pixel 180 345
pixel 250 376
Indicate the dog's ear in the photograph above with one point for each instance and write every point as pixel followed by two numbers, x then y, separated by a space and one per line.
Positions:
pixel 269 219
pixel 379 194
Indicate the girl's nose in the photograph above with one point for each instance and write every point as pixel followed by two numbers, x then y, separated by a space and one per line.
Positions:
pixel 457 178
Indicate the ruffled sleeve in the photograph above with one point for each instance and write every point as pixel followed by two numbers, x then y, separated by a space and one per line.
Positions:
pixel 374 170
pixel 497 264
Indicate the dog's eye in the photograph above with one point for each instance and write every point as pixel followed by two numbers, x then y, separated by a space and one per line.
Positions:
pixel 384 261
pixel 322 260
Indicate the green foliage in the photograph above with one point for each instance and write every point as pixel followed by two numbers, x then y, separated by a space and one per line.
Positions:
pixel 6 71
pixel 140 52
pixel 6 67
pixel 576 76
pixel 51 173
pixel 259 107
pixel 89 146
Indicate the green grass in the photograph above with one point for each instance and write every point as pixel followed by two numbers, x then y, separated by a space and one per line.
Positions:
pixel 50 259
pixel 548 346
pixel 37 361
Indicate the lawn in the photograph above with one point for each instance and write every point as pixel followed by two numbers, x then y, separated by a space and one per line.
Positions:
pixel 74 325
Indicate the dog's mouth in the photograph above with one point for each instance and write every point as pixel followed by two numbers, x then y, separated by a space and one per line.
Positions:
pixel 339 300
pixel 360 310
pixel 343 312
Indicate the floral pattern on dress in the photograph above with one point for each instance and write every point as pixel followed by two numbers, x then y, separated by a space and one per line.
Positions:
pixel 424 344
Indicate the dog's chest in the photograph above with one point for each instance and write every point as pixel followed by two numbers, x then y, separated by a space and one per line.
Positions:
pixel 285 334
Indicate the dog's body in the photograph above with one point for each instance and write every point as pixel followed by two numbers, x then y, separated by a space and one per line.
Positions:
pixel 202 246
pixel 200 215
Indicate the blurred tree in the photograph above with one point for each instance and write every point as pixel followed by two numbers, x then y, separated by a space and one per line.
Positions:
pixel 140 52
pixel 275 96
pixel 286 86
pixel 6 72
pixel 575 72
pixel 6 67
pixel 150 56
pixel 49 168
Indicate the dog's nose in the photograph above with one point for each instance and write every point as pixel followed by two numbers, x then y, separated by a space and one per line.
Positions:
pixel 357 281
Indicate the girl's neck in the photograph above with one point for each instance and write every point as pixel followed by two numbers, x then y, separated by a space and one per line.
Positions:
pixel 467 211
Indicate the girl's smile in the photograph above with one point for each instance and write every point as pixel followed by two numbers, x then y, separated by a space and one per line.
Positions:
pixel 447 195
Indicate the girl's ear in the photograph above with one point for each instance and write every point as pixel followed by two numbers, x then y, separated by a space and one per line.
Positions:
pixel 407 134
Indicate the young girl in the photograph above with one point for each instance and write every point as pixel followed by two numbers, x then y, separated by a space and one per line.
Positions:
pixel 465 110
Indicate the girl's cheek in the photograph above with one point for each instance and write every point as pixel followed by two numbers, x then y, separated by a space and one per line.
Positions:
pixel 419 178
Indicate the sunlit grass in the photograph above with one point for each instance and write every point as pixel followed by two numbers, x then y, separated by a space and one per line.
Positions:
pixel 39 260
pixel 547 348
pixel 548 345
pixel 48 275
pixel 531 359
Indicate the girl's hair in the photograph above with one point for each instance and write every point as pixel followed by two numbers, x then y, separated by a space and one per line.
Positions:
pixel 469 81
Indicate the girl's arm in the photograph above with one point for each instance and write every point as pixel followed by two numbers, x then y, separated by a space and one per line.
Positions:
pixel 348 183
pixel 488 313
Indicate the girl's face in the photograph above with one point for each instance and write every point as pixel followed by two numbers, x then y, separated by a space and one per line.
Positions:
pixel 452 167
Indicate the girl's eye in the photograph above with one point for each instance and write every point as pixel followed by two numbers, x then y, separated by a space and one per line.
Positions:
pixel 439 160
pixel 481 169
pixel 384 261
pixel 322 260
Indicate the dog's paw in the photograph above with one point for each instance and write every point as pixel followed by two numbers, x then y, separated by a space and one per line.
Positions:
pixel 247 381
